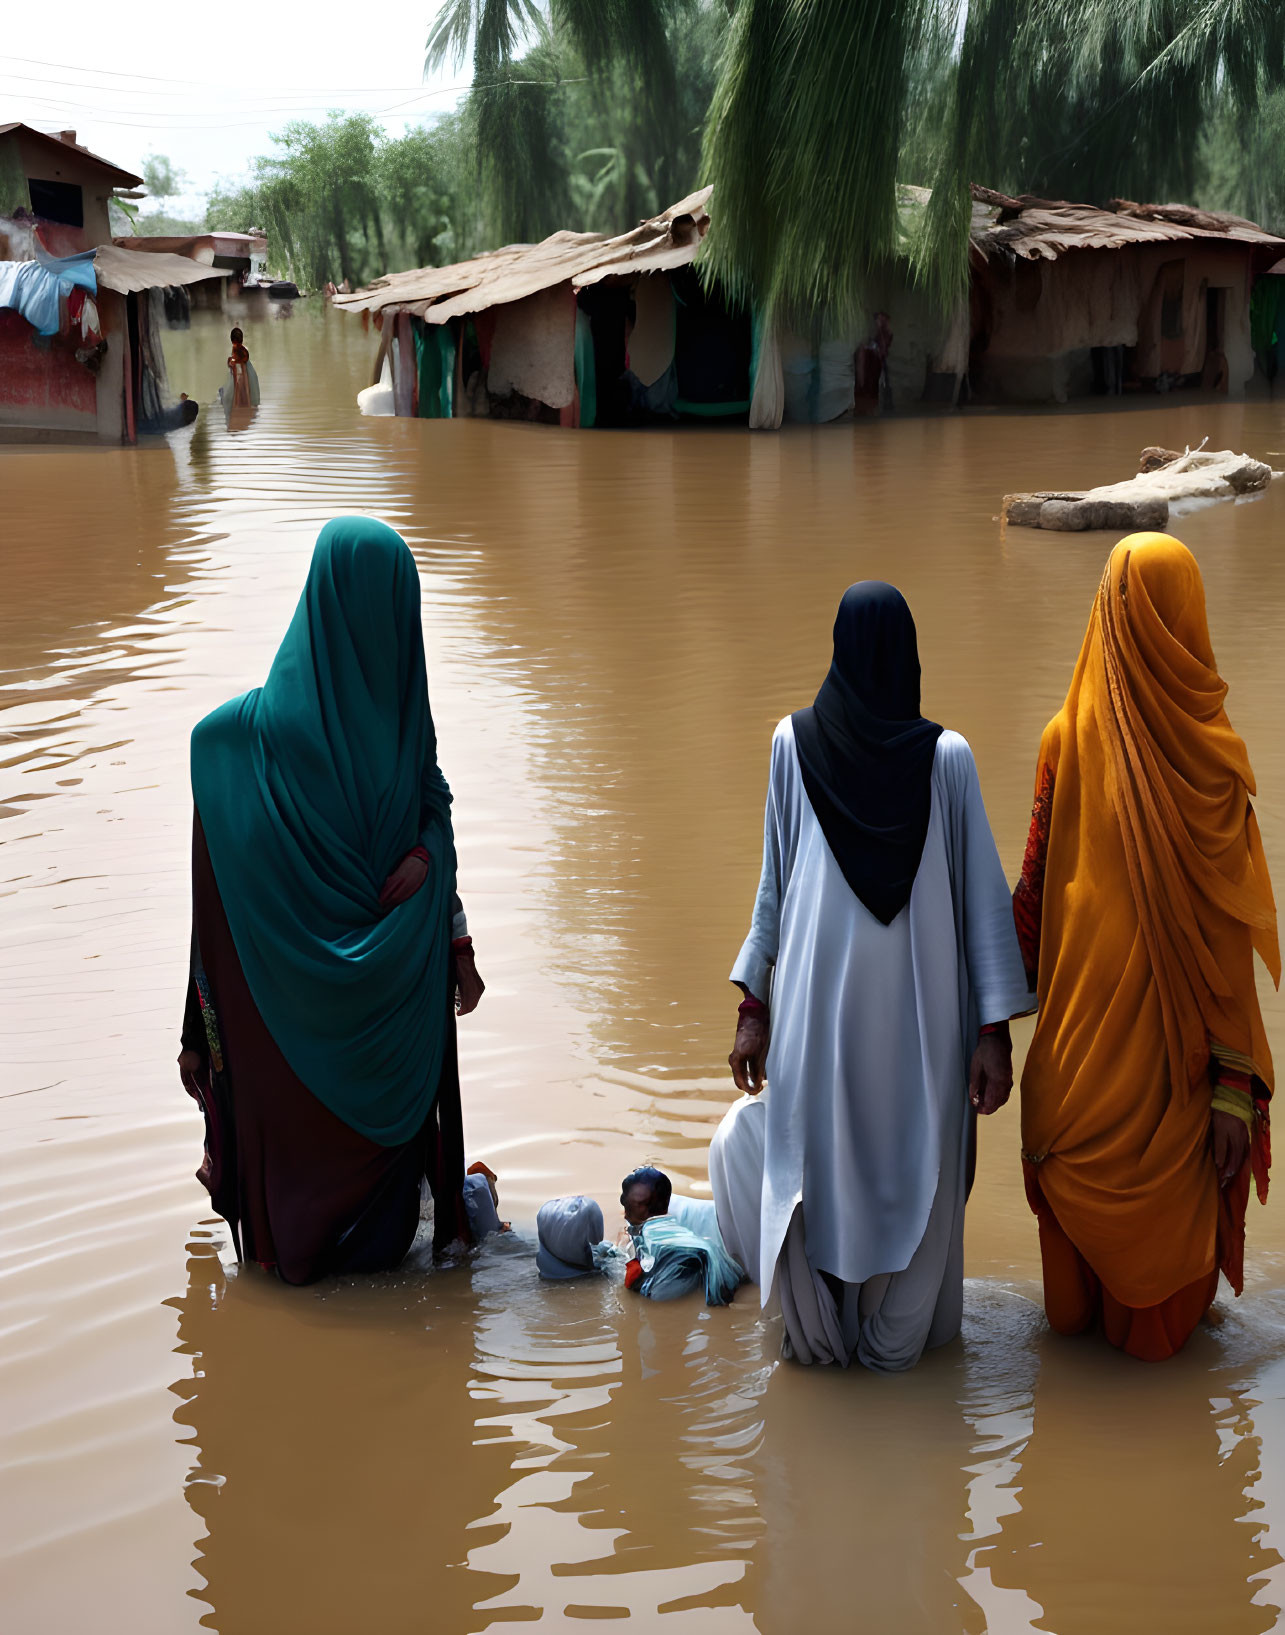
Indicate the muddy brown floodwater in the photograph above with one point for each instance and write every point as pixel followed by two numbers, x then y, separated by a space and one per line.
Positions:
pixel 614 623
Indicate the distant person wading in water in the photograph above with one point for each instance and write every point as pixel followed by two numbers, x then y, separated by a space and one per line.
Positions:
pixel 1143 898
pixel 329 950
pixel 242 391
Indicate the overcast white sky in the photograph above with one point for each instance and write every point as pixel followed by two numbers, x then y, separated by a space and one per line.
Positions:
pixel 208 84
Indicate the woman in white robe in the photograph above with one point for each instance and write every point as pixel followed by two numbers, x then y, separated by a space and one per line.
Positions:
pixel 842 1187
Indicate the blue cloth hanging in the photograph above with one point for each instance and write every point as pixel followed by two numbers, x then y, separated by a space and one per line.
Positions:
pixel 34 289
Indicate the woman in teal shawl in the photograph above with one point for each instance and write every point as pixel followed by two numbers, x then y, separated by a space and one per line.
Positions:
pixel 330 953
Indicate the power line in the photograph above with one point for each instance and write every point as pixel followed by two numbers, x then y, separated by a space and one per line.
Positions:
pixel 162 79
pixel 114 73
pixel 163 119
pixel 267 108
pixel 160 129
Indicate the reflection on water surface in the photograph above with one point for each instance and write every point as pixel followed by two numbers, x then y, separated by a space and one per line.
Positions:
pixel 614 623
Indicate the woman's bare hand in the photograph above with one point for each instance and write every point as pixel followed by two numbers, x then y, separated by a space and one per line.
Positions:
pixel 191 1071
pixel 990 1075
pixel 748 1060
pixel 1231 1145
pixel 402 884
pixel 469 986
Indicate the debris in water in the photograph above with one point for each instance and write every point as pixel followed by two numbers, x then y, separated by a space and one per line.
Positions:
pixel 1164 477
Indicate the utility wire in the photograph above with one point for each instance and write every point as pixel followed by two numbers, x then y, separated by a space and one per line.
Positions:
pixel 264 109
pixel 163 119
pixel 163 79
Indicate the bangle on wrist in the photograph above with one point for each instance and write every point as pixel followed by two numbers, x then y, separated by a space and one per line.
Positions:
pixel 749 1006
pixel 1239 1103
pixel 462 945
pixel 987 1028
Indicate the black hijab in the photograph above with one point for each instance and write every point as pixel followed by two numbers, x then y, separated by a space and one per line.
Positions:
pixel 865 751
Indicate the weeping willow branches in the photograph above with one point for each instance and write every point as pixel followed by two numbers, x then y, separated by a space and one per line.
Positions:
pixel 1089 99
pixel 522 55
pixel 802 146
pixel 821 107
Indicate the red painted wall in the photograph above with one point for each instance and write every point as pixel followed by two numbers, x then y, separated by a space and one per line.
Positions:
pixel 42 389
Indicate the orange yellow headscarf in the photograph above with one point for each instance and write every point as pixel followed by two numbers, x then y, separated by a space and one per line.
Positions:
pixel 1155 895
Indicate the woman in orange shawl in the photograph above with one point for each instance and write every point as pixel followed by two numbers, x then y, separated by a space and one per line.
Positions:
pixel 1143 897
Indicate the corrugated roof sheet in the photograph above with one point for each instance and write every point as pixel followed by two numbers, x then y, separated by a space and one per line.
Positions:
pixel 518 270
pixel 129 270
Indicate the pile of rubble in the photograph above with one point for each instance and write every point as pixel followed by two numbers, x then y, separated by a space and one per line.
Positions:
pixel 1164 477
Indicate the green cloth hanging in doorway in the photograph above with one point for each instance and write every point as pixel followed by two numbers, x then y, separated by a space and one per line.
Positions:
pixel 1265 313
pixel 435 368
pixel 586 374
pixel 758 323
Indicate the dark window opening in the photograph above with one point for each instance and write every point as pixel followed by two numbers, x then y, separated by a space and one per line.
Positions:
pixel 1215 318
pixel 57 201
pixel 1171 295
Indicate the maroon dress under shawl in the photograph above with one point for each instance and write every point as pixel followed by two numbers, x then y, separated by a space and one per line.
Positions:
pixel 300 1190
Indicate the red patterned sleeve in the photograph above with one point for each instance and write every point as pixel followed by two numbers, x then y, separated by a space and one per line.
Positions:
pixel 1028 899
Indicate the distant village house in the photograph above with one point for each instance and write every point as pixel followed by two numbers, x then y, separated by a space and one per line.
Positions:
pixel 1066 300
pixel 80 316
pixel 241 257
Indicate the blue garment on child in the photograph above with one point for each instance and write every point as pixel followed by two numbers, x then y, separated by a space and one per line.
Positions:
pixel 677 1257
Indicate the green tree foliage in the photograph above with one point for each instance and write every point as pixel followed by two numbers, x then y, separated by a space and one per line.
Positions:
pixel 160 178
pixel 822 106
pixel 803 147
pixel 162 181
pixel 1090 100
pixel 1241 162
pixel 804 114
pixel 545 142
pixel 341 200
pixel 628 161
pixel 584 113
pixel 155 224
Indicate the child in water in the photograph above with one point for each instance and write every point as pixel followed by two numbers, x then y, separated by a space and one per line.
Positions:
pixel 644 1193
pixel 683 1250
pixel 671 1251
pixel 242 390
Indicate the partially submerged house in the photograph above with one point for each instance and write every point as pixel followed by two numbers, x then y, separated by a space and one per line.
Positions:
pixel 1267 321
pixel 243 257
pixel 1068 300
pixel 584 329
pixel 80 317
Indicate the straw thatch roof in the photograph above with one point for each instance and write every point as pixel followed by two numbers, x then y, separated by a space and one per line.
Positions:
pixel 438 293
pixel 1043 229
pixel 1031 228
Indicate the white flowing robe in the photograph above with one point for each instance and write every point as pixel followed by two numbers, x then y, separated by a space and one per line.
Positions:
pixel 864 1126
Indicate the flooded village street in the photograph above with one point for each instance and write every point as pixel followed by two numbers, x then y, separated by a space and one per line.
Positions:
pixel 614 622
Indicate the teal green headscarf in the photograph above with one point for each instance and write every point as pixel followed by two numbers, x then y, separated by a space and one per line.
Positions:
pixel 311 790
